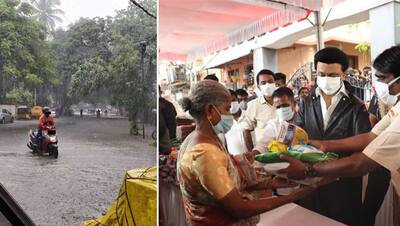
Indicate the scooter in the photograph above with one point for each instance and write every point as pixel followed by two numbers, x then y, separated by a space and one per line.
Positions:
pixel 49 143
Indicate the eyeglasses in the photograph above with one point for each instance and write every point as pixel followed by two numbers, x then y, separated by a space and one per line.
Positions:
pixel 321 74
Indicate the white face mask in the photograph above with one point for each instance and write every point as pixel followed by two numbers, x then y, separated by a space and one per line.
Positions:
pixel 268 89
pixel 235 106
pixel 329 85
pixel 382 90
pixel 284 113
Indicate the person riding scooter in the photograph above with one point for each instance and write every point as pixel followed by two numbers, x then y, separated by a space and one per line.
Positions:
pixel 45 120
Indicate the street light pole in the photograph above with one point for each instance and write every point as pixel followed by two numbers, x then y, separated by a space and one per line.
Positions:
pixel 142 54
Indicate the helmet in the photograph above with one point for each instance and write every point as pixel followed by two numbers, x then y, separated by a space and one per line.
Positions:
pixel 46 110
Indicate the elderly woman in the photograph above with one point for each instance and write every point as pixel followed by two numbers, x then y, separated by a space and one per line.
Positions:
pixel 214 187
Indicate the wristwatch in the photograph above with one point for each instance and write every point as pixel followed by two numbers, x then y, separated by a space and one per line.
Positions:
pixel 310 171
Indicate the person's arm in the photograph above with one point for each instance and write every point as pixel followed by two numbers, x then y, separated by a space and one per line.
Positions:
pixel 248 124
pixel 274 183
pixel 239 208
pixel 351 144
pixel 361 122
pixel 248 140
pixel 40 122
pixel 373 119
pixel 357 164
pixel 299 116
pixel 373 111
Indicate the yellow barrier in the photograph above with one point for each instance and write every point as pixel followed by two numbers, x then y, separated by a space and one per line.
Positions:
pixel 136 204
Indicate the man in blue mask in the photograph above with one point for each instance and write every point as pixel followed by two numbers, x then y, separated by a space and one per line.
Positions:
pixel 284 102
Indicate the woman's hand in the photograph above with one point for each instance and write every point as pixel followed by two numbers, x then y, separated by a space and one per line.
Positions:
pixel 301 192
pixel 278 182
pixel 251 155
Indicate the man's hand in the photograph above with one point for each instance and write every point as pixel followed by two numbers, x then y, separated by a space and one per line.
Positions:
pixel 320 144
pixel 296 170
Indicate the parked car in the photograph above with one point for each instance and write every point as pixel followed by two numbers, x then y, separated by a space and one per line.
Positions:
pixel 6 116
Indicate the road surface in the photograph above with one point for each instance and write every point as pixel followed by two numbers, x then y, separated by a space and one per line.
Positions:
pixel 83 182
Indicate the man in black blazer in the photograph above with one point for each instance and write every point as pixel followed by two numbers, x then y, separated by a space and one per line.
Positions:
pixel 332 111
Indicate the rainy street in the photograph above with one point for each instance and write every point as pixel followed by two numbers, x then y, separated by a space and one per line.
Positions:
pixel 83 182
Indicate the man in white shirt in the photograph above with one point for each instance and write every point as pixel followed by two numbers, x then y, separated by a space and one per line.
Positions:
pixel 234 137
pixel 260 110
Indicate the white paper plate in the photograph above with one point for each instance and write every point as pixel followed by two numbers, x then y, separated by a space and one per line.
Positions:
pixel 274 167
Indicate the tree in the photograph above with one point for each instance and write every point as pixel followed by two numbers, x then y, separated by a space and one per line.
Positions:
pixel 25 57
pixel 47 13
pixel 77 49
pixel 104 54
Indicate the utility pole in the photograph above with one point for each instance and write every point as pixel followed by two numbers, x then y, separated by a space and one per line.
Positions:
pixel 142 54
pixel 34 104
pixel 319 31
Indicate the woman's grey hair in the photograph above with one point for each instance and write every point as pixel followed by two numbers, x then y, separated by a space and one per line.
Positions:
pixel 203 93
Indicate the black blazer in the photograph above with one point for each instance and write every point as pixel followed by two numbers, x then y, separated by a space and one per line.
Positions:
pixel 349 118
pixel 340 200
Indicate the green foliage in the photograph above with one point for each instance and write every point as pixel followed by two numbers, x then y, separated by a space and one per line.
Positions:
pixel 20 96
pixel 25 58
pixel 46 12
pixel 363 47
pixel 104 53
pixel 94 59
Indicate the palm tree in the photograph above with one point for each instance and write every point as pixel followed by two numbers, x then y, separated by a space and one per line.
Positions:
pixel 47 13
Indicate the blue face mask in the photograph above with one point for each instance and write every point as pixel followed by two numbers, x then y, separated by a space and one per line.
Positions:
pixel 224 125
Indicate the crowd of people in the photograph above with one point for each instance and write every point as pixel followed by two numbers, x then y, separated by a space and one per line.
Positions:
pixel 216 168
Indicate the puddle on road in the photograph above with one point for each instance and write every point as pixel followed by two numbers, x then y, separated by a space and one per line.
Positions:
pixel 11 154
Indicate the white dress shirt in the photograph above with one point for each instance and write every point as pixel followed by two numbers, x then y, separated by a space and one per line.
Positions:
pixel 258 113
pixel 234 137
pixel 327 112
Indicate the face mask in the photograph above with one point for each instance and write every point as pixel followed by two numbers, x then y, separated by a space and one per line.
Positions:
pixel 285 113
pixel 268 89
pixel 234 107
pixel 243 105
pixel 329 85
pixel 224 125
pixel 382 90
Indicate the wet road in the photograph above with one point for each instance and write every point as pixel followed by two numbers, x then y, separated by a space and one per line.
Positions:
pixel 83 182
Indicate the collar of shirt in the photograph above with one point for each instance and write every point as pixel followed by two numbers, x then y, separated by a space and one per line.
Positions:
pixel 342 90
pixel 395 110
pixel 241 117
pixel 261 100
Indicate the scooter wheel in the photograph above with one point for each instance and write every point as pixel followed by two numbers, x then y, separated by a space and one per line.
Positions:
pixel 55 153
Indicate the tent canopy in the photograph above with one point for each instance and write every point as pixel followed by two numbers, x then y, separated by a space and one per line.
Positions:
pixel 197 28
pixel 200 27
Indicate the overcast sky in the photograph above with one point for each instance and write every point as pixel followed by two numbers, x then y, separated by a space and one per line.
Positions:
pixel 75 9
